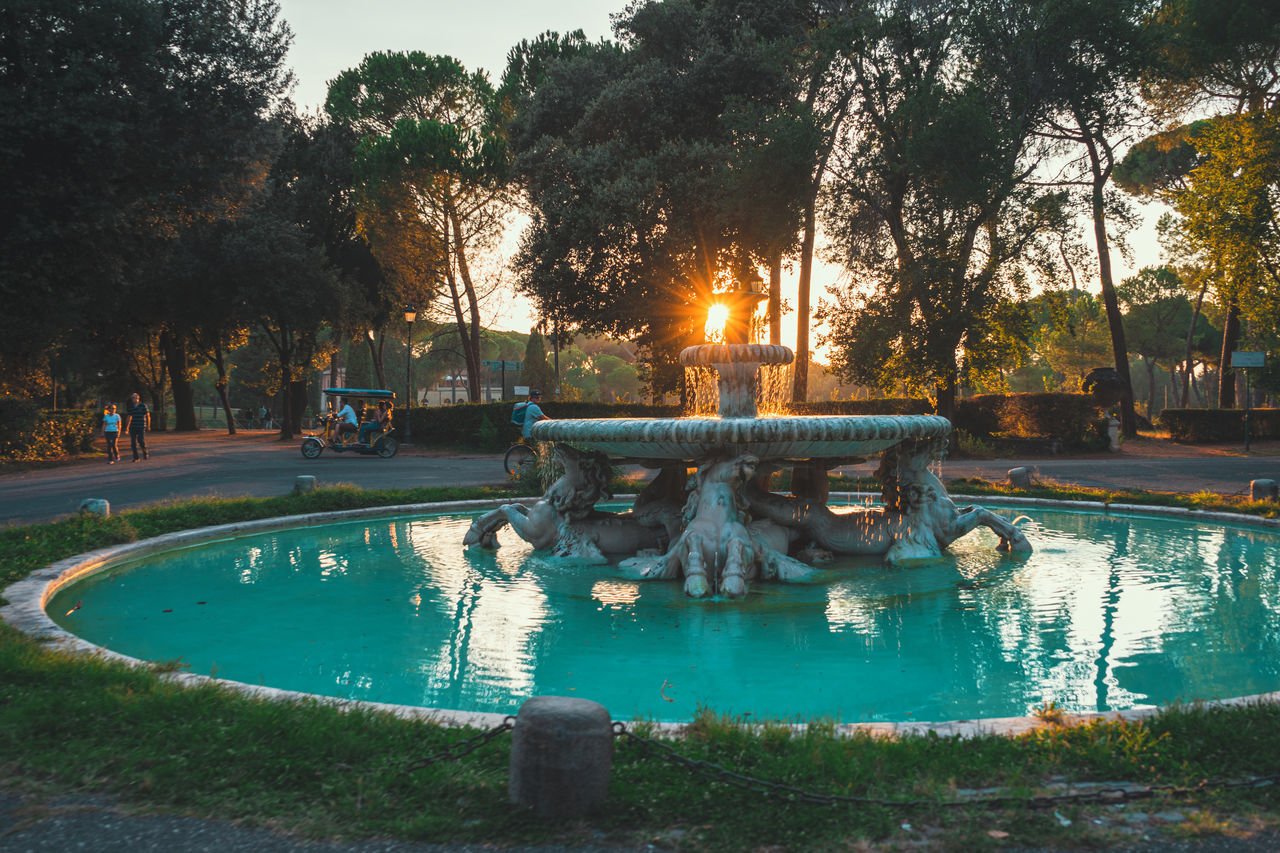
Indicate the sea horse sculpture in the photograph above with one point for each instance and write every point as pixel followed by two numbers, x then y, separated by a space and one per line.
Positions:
pixel 720 551
pixel 565 521
pixel 918 519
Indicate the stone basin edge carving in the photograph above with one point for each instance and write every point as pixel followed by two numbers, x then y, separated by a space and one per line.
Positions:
pixel 809 436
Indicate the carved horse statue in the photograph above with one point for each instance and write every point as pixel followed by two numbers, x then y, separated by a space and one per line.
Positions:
pixel 917 522
pixel 565 521
pixel 720 550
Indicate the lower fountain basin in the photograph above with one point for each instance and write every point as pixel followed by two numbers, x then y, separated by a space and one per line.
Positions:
pixel 1114 611
pixel 799 437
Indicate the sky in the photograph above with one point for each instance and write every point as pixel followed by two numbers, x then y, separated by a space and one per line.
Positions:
pixel 331 36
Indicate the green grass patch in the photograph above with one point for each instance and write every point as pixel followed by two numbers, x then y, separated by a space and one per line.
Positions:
pixel 74 723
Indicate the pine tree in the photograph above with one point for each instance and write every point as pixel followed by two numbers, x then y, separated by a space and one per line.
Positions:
pixel 538 373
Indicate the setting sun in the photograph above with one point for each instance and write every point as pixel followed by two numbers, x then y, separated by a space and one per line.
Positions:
pixel 717 318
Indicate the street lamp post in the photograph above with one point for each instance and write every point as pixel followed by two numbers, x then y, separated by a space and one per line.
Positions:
pixel 409 316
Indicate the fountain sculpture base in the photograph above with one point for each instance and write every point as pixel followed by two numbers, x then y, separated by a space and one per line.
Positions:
pixel 731 530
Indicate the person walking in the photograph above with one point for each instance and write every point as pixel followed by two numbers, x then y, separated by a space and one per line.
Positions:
pixel 137 420
pixel 111 432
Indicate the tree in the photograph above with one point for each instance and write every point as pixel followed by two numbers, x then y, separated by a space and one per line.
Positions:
pixel 317 164
pixel 1102 58
pixel 1220 57
pixel 660 170
pixel 122 122
pixel 293 292
pixel 1157 313
pixel 538 373
pixel 930 207
pixel 431 168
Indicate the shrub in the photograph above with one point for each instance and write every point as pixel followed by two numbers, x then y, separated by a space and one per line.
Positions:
pixel 29 433
pixel 1069 418
pixel 463 425
pixel 1205 425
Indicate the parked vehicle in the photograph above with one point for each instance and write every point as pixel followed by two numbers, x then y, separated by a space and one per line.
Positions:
pixel 379 442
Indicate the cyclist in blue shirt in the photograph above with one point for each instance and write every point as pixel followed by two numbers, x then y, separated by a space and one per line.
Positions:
pixel 528 413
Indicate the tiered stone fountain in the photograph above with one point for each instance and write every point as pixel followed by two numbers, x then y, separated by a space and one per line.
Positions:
pixel 722 528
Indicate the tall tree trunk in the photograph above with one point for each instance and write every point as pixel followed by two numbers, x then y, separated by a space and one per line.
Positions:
pixel 294 401
pixel 471 342
pixel 1150 364
pixel 800 373
pixel 291 417
pixel 1119 348
pixel 774 308
pixel 220 365
pixel 1230 339
pixel 376 348
pixel 946 405
pixel 184 403
pixel 1191 334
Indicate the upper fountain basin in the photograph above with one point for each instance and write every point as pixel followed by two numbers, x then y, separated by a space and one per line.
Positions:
pixel 709 354
pixel 807 437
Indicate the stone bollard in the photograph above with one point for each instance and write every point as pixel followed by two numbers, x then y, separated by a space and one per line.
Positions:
pixel 96 506
pixel 1020 478
pixel 1263 490
pixel 561 755
pixel 304 483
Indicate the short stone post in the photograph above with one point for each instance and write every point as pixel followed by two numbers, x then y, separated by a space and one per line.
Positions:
pixel 1020 478
pixel 304 483
pixel 561 755
pixel 1113 434
pixel 1263 490
pixel 96 506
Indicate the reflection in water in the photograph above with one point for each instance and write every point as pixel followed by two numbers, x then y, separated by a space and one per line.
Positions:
pixel 1109 612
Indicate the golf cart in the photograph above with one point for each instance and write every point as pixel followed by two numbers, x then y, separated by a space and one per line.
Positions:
pixel 378 442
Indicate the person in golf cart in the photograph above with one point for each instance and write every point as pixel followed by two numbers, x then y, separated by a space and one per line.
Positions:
pixel 380 423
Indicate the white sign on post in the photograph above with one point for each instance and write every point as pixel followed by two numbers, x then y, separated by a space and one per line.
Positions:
pixel 521 390
pixel 1248 358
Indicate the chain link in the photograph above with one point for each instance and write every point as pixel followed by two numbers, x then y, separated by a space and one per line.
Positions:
pixel 450 753
pixel 766 788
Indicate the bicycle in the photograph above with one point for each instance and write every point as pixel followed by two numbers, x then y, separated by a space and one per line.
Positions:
pixel 519 460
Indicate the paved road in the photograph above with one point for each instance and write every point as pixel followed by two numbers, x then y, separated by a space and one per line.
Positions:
pixel 257 464
pixel 212 463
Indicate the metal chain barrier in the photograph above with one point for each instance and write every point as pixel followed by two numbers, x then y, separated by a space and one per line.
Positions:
pixel 766 788
pixel 719 773
pixel 450 753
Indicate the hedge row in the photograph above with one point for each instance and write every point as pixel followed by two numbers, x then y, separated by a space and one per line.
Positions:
pixel 29 433
pixel 1068 418
pixel 487 426
pixel 1072 419
pixel 894 406
pixel 1214 425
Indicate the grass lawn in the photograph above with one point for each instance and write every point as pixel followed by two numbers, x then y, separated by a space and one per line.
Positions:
pixel 73 724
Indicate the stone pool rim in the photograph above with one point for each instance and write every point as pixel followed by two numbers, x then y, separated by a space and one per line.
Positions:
pixel 27 598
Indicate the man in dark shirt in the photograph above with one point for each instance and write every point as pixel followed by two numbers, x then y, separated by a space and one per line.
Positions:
pixel 137 421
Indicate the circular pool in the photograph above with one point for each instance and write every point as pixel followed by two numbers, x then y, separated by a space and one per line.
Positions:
pixel 1111 611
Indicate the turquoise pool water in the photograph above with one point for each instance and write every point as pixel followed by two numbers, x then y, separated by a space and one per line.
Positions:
pixel 1110 612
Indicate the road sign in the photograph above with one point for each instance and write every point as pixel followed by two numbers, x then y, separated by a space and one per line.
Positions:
pixel 504 365
pixel 1247 358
